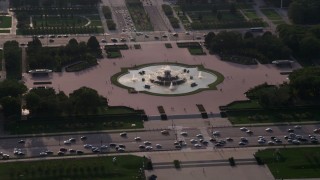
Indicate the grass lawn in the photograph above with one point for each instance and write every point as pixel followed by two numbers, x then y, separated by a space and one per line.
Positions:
pixel 5 21
pixel 93 168
pixel 93 17
pixel 244 105
pixel 289 163
pixel 55 21
pixel 1 56
pixel 114 54
pixel 271 14
pixel 4 31
pixel 44 126
pixel 273 116
pixel 137 46
pixel 250 14
pixel 279 22
pixel 196 51
pixel 80 66
pixel 168 45
pixel 119 110
pixel 140 18
pixel 95 23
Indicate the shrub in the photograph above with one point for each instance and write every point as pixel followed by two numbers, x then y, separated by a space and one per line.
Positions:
pixel 149 165
pixel 177 164
pixel 107 12
pixel 111 24
pixel 232 161
pixel 168 45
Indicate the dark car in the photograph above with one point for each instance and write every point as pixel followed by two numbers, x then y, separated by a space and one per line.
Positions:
pixel 83 138
pixel 112 144
pixel 63 149
pixel 79 152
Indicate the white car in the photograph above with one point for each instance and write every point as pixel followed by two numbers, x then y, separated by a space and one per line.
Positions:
pixel 104 147
pixel 184 133
pixel 164 132
pixel 67 142
pixel 146 143
pixel 268 129
pixel 216 133
pixel 271 143
pixel 87 146
pixel 137 139
pixel 261 141
pixel 199 135
pixel 249 131
pixel 243 129
pixel 197 145
pixel 296 142
pixel 149 148
pixel 242 143
pixel 193 141
pixel 123 134
pixel 297 127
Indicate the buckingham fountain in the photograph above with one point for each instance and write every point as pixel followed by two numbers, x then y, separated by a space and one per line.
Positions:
pixel 167 79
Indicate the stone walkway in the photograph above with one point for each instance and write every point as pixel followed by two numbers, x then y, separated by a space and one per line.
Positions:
pixel 238 79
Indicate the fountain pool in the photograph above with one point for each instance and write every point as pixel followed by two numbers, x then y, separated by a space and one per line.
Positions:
pixel 167 79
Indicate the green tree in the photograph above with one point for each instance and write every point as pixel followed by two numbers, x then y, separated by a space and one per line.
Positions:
pixel 309 47
pixel 219 16
pixel 305 83
pixel 209 38
pixel 94 46
pixel 86 100
pixel 11 88
pixel 11 106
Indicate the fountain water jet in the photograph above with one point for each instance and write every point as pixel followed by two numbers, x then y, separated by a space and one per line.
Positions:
pixel 134 79
pixel 200 75
pixel 171 87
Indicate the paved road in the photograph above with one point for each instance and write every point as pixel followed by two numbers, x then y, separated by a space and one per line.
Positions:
pixel 34 145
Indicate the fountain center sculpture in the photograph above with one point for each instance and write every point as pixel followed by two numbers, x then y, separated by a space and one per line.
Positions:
pixel 167 78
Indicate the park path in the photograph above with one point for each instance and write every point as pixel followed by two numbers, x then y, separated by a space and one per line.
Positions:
pixel 103 19
pixel 256 7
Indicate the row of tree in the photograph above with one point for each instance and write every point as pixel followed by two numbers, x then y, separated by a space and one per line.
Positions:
pixel 46 102
pixel 10 98
pixel 303 89
pixel 304 11
pixel 267 47
pixel 57 3
pixel 55 58
pixel 12 56
pixel 304 41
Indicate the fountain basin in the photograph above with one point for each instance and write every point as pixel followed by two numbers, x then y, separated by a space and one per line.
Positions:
pixel 168 79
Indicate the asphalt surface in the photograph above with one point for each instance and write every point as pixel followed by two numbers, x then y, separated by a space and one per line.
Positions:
pixel 34 145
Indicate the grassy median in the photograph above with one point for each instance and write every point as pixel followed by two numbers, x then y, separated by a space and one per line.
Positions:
pixel 292 162
pixel 93 168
